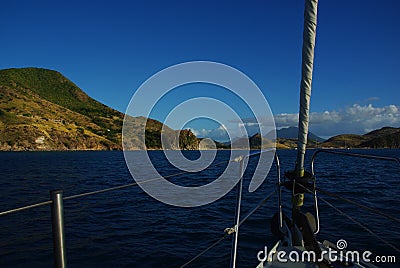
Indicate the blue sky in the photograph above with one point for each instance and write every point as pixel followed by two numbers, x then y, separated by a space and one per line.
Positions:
pixel 109 48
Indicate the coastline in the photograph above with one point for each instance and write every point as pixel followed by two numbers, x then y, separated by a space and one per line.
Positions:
pixel 222 149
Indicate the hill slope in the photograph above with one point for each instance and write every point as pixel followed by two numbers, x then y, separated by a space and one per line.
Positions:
pixel 387 137
pixel 41 109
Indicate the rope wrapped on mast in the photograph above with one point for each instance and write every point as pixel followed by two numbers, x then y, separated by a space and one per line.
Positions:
pixel 309 33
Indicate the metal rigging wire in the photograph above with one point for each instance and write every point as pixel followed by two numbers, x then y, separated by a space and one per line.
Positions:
pixel 354 220
pixel 229 231
pixel 372 210
pixel 2 213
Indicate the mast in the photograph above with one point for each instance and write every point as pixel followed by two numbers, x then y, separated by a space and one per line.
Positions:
pixel 309 32
pixel 298 180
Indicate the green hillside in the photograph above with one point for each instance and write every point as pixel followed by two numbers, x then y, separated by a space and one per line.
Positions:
pixel 42 104
pixel 387 137
pixel 54 87
pixel 41 109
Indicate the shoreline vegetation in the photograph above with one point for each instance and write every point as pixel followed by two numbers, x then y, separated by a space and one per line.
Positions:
pixel 41 110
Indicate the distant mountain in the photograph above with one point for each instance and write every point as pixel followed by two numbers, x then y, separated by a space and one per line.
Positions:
pixel 41 109
pixel 390 141
pixel 292 133
pixel 344 141
pixel 387 137
pixel 254 142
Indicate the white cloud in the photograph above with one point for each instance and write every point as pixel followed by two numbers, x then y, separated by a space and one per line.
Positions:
pixel 356 119
pixel 248 124
pixel 218 134
pixel 286 120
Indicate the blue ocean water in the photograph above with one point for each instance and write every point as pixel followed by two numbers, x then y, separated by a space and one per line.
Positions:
pixel 128 228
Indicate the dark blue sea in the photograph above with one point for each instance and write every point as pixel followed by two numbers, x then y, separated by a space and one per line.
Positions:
pixel 128 228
